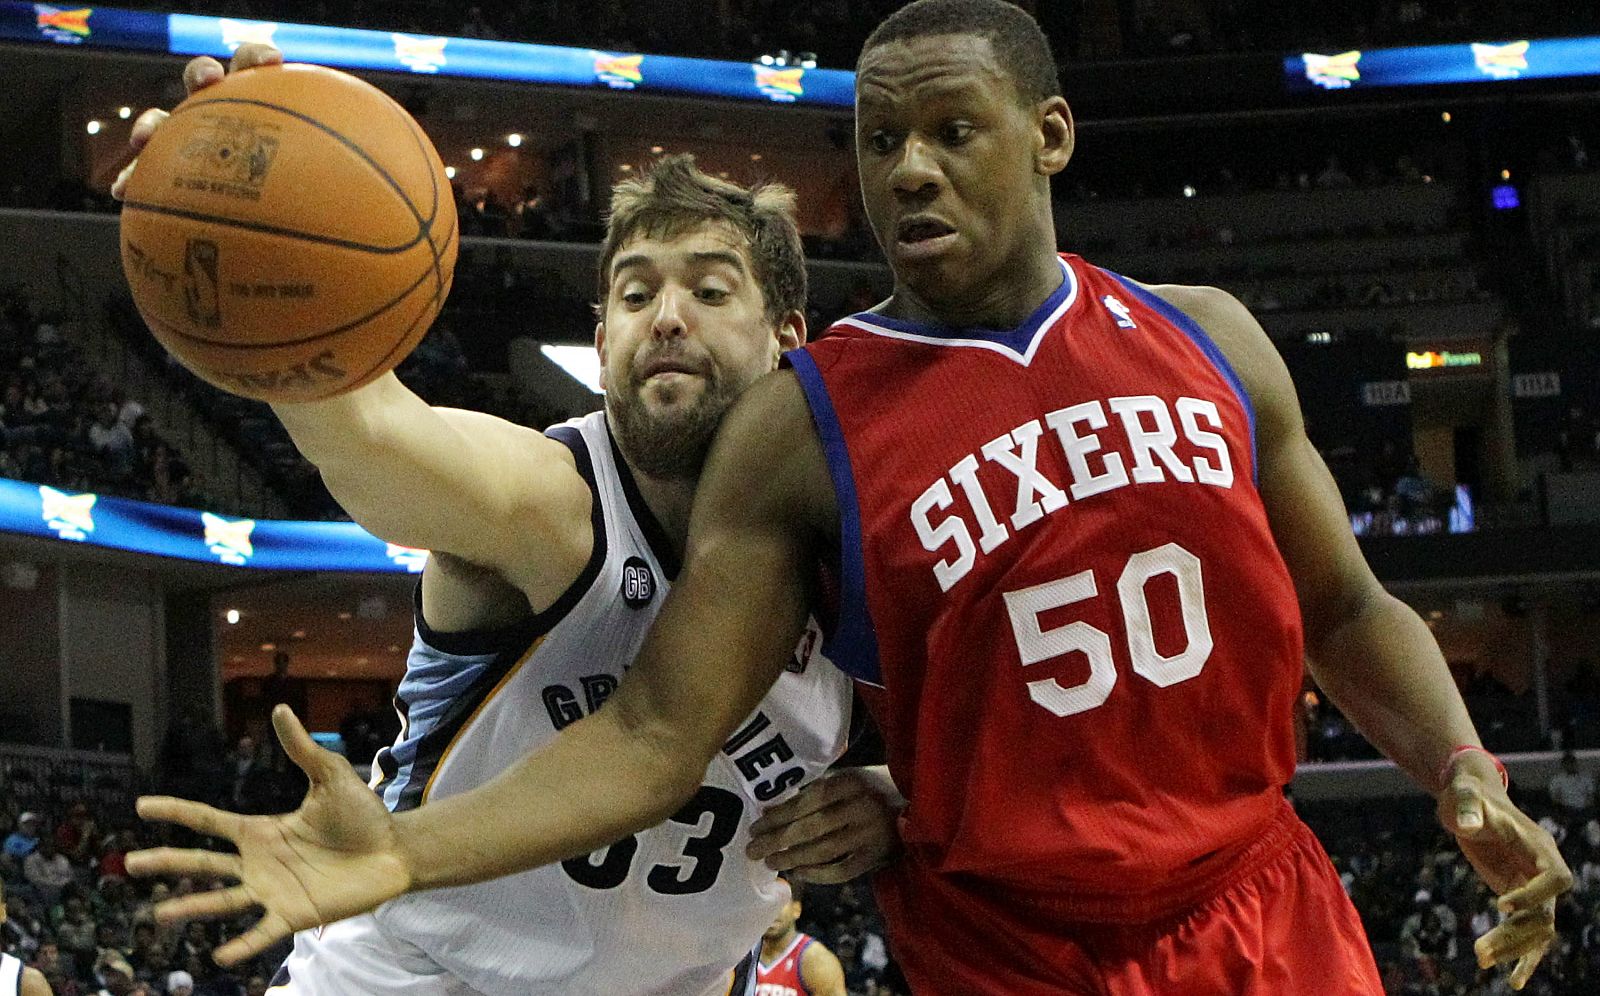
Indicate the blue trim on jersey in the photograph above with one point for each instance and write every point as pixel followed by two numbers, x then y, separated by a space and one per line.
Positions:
pixel 654 533
pixel 853 644
pixel 449 675
pixel 1198 336
pixel 1015 339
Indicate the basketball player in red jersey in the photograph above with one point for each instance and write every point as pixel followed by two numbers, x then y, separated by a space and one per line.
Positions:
pixel 1082 548
pixel 796 964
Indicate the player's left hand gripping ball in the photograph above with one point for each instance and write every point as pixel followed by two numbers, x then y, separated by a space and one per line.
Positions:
pixel 335 856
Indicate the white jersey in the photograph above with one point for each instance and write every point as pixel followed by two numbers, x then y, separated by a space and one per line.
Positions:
pixel 10 975
pixel 669 910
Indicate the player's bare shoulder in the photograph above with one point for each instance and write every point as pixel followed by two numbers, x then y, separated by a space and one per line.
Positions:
pixel 768 456
pixel 1241 338
pixel 33 983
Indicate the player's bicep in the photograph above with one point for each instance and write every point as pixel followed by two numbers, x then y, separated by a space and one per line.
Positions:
pixel 821 972
pixel 740 603
pixel 1306 513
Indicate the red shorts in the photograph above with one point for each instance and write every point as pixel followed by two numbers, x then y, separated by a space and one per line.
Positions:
pixel 1278 923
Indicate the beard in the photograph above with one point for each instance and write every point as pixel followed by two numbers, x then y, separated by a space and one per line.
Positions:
pixel 672 444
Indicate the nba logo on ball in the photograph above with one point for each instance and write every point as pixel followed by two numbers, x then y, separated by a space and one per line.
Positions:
pixel 638 583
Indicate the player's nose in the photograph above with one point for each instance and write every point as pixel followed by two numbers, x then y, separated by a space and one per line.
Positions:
pixel 916 174
pixel 668 321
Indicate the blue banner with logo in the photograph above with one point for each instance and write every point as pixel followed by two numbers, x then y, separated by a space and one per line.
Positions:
pixel 395 51
pixel 188 534
pixel 400 52
pixel 1425 65
pixel 71 24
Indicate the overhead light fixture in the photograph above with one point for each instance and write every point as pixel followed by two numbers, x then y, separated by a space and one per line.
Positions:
pixel 1445 117
pixel 124 113
pixel 476 154
pixel 233 617
pixel 581 363
pixel 93 127
pixel 514 140
pixel 657 150
pixel 269 646
pixel 450 172
pixel 1188 190
pixel 755 157
pixel 298 634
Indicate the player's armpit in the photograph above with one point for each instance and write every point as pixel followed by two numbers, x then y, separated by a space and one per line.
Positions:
pixel 486 490
pixel 722 638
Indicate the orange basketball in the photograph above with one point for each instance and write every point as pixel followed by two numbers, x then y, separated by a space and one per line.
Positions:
pixel 289 233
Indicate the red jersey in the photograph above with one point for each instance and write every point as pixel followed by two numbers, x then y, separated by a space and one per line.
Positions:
pixel 1058 584
pixel 782 977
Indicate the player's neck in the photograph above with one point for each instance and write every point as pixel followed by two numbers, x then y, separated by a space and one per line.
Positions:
pixel 772 949
pixel 1003 303
pixel 670 501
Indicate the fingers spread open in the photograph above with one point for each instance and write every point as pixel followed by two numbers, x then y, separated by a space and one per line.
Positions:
pixel 269 930
pixel 207 905
pixel 197 816
pixel 180 862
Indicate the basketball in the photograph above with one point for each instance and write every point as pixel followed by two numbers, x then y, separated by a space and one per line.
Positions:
pixel 289 233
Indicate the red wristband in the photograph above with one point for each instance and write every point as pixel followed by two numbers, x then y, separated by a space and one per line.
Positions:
pixel 1449 762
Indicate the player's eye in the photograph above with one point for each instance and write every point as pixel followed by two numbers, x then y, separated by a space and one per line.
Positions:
pixel 882 142
pixel 955 132
pixel 635 298
pixel 712 295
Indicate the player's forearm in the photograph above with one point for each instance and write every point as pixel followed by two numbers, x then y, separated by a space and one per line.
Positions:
pixel 596 783
pixel 385 456
pixel 1382 667
pixel 352 432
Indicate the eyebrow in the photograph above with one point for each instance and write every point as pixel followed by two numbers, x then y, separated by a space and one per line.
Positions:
pixel 639 259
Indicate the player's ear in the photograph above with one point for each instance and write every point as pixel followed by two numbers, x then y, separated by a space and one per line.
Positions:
pixel 600 347
pixel 1055 136
pixel 790 333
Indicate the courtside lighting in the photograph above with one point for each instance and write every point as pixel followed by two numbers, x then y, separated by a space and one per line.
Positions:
pixel 581 363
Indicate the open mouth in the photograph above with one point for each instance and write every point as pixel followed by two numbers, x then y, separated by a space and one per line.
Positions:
pixel 912 231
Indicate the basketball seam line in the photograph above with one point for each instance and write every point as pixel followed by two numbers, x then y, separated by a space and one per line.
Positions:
pixel 265 229
pixel 432 267
pixel 424 223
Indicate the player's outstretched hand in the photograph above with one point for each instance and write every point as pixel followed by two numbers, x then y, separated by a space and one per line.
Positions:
pixel 840 826
pixel 197 75
pixel 1515 857
pixel 334 857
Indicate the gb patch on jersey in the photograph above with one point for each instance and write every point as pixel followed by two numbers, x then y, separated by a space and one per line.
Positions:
pixel 638 583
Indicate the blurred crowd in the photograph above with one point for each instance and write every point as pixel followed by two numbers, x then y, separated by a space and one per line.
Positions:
pixel 76 916
pixel 63 426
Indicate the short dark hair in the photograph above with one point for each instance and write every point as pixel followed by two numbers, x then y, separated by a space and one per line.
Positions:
pixel 675 196
pixel 1019 45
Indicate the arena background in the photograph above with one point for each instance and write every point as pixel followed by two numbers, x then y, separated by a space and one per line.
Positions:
pixel 1403 192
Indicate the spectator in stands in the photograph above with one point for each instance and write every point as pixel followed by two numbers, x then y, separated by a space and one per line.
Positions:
pixel 1572 789
pixel 115 974
pixel 113 441
pixel 75 834
pixel 48 871
pixel 22 841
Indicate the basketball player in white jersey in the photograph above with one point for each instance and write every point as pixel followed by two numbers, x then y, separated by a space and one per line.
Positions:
pixel 551 555
pixel 17 979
